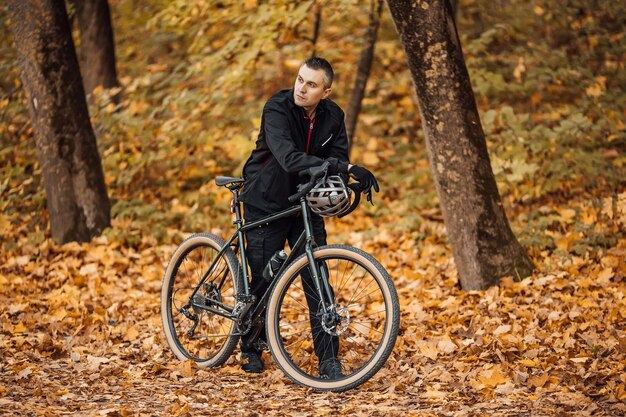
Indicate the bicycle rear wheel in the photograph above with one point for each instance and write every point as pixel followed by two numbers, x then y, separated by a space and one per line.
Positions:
pixel 191 331
pixel 359 327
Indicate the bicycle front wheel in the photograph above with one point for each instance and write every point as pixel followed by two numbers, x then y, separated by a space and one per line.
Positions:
pixel 192 331
pixel 357 330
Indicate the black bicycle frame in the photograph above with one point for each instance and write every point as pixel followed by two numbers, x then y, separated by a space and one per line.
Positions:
pixel 304 240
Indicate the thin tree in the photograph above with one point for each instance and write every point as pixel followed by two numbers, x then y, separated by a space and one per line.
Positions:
pixel 317 9
pixel 77 201
pixel 455 7
pixel 97 46
pixel 483 244
pixel 363 70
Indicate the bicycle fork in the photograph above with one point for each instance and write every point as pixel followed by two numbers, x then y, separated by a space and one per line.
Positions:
pixel 319 276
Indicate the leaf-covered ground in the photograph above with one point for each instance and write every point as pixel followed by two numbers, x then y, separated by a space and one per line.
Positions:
pixel 82 335
pixel 80 331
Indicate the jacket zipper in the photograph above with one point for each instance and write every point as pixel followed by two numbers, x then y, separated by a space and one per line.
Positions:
pixel 308 139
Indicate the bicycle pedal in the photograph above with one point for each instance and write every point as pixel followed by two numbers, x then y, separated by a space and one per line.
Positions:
pixel 260 345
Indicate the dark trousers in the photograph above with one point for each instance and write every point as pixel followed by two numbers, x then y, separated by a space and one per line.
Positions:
pixel 261 243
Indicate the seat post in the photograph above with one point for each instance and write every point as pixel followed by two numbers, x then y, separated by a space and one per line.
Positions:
pixel 241 239
pixel 237 207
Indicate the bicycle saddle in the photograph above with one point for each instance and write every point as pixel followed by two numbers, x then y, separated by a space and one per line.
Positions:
pixel 228 180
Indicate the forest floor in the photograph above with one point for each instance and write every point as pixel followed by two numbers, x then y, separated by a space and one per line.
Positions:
pixel 81 333
pixel 80 327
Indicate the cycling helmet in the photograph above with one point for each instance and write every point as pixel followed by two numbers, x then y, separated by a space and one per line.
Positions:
pixel 330 197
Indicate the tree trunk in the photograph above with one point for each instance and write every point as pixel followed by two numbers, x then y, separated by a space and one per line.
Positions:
pixel 78 205
pixel 97 48
pixel 455 8
pixel 483 244
pixel 363 70
pixel 317 9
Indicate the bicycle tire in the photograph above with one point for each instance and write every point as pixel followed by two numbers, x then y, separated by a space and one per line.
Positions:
pixel 372 285
pixel 215 347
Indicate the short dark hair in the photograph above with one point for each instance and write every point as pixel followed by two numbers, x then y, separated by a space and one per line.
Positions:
pixel 318 63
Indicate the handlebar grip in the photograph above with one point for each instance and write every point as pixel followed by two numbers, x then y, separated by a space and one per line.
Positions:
pixel 315 173
pixel 301 193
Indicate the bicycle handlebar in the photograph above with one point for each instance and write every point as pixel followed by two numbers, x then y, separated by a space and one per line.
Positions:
pixel 315 173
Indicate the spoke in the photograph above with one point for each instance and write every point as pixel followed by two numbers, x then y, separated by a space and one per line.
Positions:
pixel 184 264
pixel 199 270
pixel 293 335
pixel 303 359
pixel 211 336
pixel 298 301
pixel 356 357
pixel 199 330
pixel 294 322
pixel 359 343
pixel 311 289
pixel 327 347
pixel 375 290
pixel 360 291
pixel 298 348
pixel 219 268
pixel 223 275
pixel 344 279
pixel 366 326
pixel 210 324
pixel 372 314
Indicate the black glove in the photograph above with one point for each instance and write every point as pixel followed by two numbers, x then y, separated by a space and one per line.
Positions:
pixel 329 167
pixel 336 166
pixel 366 179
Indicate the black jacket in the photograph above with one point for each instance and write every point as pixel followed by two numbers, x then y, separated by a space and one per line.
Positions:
pixel 271 172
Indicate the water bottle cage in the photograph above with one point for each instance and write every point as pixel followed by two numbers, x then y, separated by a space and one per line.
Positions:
pixel 274 264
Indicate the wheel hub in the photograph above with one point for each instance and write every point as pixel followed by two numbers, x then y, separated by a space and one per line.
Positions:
pixel 335 319
pixel 211 295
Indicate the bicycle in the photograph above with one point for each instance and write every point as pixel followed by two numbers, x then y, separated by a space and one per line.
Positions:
pixel 206 303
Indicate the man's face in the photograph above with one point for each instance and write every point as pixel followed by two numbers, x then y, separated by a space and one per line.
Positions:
pixel 309 88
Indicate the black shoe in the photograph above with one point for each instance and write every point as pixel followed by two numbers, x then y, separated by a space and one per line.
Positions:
pixel 330 369
pixel 254 365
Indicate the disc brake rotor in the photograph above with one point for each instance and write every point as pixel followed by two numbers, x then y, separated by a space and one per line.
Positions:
pixel 211 295
pixel 336 319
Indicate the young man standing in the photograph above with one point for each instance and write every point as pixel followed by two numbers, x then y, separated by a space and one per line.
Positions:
pixel 300 128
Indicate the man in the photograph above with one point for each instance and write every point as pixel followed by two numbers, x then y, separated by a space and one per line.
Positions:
pixel 300 128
